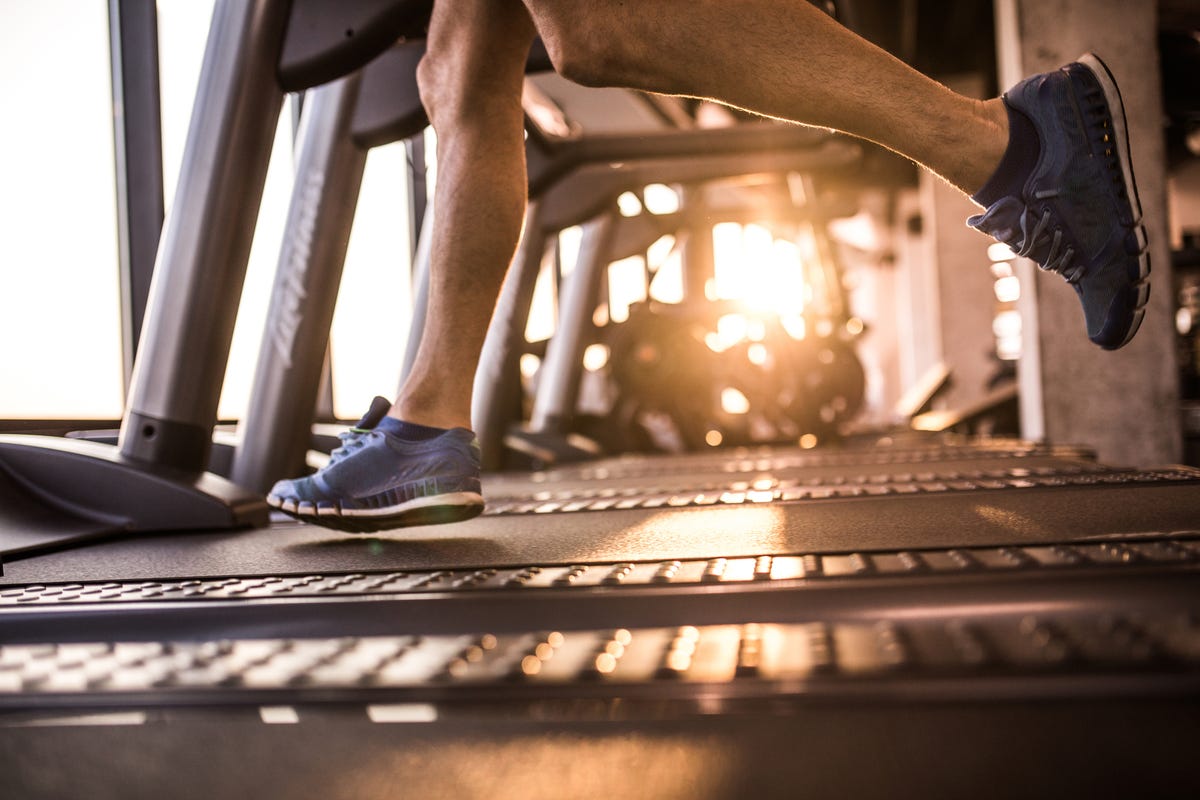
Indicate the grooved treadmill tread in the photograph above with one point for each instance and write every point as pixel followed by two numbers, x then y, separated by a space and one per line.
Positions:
pixel 996 517
pixel 504 486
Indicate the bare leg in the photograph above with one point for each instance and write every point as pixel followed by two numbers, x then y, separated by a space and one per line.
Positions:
pixel 470 84
pixel 780 58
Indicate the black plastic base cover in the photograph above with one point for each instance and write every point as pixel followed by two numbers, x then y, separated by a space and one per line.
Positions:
pixel 54 491
pixel 27 525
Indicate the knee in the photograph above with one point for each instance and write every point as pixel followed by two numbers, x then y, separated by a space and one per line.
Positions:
pixel 584 42
pixel 439 87
pixel 468 72
pixel 578 59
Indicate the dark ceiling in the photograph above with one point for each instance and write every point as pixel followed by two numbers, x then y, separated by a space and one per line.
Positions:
pixel 929 34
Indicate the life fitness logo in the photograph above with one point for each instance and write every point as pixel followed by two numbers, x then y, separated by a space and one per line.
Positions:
pixel 290 292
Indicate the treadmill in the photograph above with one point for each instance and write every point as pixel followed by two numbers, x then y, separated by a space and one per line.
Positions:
pixel 904 614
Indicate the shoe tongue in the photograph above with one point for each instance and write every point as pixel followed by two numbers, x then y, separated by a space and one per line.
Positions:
pixel 1002 220
pixel 377 411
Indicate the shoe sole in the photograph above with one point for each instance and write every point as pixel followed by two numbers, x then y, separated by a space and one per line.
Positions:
pixel 1112 95
pixel 436 510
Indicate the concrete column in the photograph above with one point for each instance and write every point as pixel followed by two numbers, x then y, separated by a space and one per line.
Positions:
pixel 918 300
pixel 1124 404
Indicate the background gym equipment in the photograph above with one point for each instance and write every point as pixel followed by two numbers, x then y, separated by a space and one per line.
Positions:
pixel 577 180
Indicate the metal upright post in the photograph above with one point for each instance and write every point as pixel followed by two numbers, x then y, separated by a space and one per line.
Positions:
pixel 698 257
pixel 329 173
pixel 418 184
pixel 497 380
pixel 420 283
pixel 137 140
pixel 558 387
pixel 421 224
pixel 205 246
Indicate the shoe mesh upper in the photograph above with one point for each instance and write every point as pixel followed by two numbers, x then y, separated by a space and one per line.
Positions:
pixel 1074 215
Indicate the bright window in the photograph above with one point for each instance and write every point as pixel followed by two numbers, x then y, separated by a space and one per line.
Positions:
pixel 59 278
pixel 59 285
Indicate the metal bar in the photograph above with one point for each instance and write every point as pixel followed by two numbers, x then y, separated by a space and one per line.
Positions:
pixel 418 185
pixel 329 172
pixel 698 258
pixel 205 246
pixel 558 388
pixel 295 112
pixel 495 402
pixel 137 140
pixel 324 410
pixel 420 283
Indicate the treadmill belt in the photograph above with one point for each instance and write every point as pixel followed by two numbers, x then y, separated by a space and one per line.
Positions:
pixel 903 521
pixel 769 489
pixel 875 452
pixel 939 656
pixel 1146 550
pixel 734 471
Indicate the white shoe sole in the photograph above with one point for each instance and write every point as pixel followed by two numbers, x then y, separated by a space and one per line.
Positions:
pixel 433 510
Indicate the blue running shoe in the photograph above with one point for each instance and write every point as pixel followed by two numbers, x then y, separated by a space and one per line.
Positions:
pixel 1079 214
pixel 376 481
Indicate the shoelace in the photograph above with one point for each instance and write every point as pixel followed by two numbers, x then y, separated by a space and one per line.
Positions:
pixel 1100 130
pixel 352 440
pixel 1054 261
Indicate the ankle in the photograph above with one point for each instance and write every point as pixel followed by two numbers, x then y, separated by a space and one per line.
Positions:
pixel 409 431
pixel 408 411
pixel 991 143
